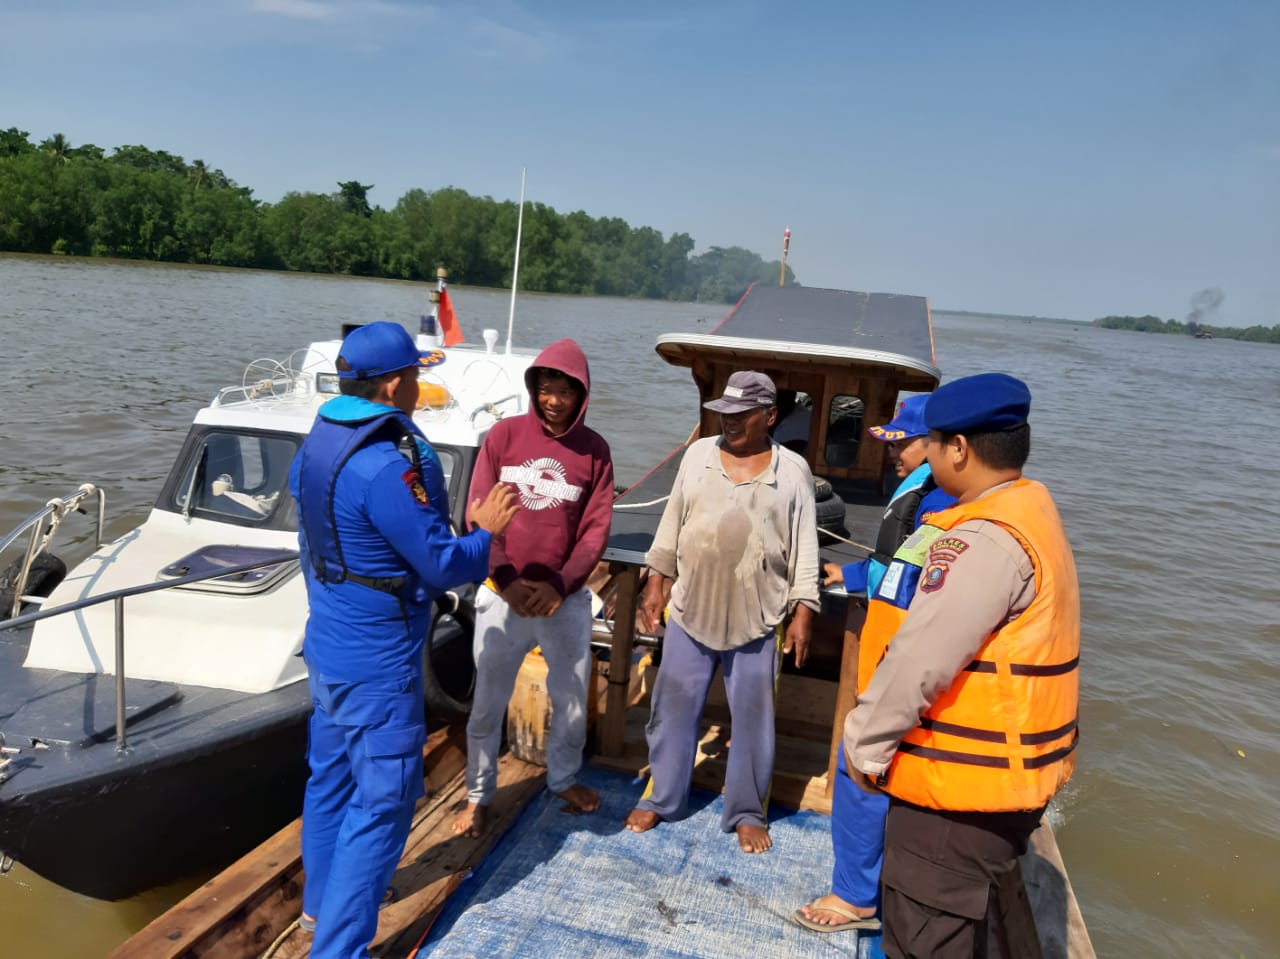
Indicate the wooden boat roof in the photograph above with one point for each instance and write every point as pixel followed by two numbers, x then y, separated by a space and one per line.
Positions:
pixel 806 324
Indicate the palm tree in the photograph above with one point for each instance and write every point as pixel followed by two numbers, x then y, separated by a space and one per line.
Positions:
pixel 199 172
pixel 58 147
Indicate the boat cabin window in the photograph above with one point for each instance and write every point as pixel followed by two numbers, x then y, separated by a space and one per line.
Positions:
pixel 240 477
pixel 844 430
pixel 795 413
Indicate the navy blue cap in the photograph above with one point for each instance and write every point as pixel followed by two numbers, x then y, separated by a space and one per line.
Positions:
pixel 985 403
pixel 377 348
pixel 907 424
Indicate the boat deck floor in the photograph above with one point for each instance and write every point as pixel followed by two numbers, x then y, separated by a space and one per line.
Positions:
pixel 542 882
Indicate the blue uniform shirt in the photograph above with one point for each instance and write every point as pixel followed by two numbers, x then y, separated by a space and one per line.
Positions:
pixel 385 528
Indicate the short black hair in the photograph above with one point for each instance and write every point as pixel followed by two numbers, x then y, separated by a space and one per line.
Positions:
pixel 365 389
pixel 551 373
pixel 1002 449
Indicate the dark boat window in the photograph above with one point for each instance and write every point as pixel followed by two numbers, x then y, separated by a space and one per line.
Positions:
pixel 844 430
pixel 795 413
pixel 239 477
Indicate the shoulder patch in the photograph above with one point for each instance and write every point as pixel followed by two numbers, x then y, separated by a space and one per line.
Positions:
pixel 952 545
pixel 935 574
pixel 413 480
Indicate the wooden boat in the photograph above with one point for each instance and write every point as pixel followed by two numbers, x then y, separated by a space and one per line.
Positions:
pixel 843 359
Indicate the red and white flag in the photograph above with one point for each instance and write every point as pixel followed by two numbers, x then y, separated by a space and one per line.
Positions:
pixel 448 321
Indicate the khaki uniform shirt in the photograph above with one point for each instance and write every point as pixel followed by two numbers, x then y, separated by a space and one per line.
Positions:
pixel 742 555
pixel 981 589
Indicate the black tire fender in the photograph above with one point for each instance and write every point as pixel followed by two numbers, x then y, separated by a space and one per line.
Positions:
pixel 46 572
pixel 448 697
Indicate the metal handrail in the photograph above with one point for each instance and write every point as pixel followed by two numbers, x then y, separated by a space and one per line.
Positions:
pixel 118 597
pixel 54 511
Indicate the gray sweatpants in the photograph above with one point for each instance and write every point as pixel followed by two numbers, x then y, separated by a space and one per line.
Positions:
pixel 502 639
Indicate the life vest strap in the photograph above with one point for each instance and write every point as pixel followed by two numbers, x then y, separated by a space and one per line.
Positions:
pixel 1022 669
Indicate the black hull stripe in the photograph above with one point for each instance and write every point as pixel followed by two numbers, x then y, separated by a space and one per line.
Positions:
pixel 1018 669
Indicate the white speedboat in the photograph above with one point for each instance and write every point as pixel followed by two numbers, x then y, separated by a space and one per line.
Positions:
pixel 153 706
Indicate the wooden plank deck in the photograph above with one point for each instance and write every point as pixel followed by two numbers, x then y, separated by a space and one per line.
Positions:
pixel 251 909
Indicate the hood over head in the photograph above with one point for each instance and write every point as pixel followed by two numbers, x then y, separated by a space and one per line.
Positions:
pixel 567 357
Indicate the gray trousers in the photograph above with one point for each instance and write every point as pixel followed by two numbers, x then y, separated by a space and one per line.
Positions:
pixel 502 640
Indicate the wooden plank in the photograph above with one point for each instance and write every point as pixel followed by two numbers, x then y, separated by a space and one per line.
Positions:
pixel 239 912
pixel 613 728
pixel 1060 924
pixel 847 688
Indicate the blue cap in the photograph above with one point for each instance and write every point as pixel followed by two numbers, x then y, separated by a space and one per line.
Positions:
pixel 907 423
pixel 377 348
pixel 986 403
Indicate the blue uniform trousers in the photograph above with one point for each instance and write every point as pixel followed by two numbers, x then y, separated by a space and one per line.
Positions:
pixel 679 695
pixel 857 839
pixel 366 774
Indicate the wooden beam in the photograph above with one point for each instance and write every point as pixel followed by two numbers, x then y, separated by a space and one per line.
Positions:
pixel 613 727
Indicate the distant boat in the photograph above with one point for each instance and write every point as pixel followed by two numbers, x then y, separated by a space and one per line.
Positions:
pixel 1204 335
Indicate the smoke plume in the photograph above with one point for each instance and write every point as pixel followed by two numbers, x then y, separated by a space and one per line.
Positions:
pixel 1205 303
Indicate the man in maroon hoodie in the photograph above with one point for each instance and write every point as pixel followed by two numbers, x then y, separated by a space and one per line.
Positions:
pixel 536 594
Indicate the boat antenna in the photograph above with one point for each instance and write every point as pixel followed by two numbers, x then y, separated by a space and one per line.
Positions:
pixel 786 245
pixel 515 270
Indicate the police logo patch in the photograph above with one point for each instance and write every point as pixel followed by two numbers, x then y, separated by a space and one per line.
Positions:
pixel 433 358
pixel 935 574
pixel 414 481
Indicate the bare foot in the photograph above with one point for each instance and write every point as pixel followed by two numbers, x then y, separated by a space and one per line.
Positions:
pixel 580 799
pixel 472 822
pixel 821 911
pixel 641 820
pixel 753 838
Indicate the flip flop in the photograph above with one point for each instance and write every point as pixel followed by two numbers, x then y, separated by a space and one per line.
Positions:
pixel 863 923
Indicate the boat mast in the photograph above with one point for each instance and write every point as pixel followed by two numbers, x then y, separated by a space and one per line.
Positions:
pixel 786 244
pixel 515 270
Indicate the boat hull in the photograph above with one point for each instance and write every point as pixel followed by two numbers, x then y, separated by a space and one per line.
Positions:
pixel 155 820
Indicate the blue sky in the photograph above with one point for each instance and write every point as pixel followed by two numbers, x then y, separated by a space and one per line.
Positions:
pixel 1062 159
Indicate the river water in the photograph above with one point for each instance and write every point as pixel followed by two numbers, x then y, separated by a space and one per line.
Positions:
pixel 1159 449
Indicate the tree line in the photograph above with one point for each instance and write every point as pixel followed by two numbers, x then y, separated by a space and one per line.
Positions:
pixel 139 203
pixel 1154 324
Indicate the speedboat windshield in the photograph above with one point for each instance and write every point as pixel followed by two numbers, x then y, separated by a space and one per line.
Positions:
pixel 234 476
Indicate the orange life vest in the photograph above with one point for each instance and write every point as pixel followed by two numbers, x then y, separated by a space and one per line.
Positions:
pixel 1003 736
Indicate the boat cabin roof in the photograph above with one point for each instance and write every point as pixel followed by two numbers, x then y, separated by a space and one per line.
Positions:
pixel 797 325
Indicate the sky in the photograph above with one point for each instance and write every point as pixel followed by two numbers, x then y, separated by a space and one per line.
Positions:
pixel 1069 159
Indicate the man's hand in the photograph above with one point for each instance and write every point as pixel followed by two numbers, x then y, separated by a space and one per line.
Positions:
pixel 797 637
pixel 517 596
pixel 654 601
pixel 543 598
pixel 832 574
pixel 496 510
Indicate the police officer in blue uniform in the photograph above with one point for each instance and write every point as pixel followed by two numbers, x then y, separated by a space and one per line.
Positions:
pixel 377 549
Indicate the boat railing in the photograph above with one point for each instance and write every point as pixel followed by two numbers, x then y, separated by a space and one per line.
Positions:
pixel 42 527
pixel 117 597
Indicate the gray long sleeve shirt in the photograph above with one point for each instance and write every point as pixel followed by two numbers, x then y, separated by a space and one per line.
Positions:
pixel 742 554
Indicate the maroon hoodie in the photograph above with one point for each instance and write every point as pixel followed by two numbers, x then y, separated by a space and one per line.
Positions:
pixel 565 486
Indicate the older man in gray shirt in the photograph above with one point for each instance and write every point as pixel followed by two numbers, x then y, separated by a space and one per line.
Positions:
pixel 735 557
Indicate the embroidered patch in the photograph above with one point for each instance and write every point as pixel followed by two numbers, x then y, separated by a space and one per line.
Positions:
pixel 950 544
pixel 935 574
pixel 414 481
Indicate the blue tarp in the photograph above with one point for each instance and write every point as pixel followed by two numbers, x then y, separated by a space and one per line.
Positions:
pixel 583 887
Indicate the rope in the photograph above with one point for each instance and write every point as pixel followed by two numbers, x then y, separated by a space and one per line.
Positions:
pixel 652 502
pixel 869 549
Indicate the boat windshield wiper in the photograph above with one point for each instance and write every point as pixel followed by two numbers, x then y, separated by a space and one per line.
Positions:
pixel 197 475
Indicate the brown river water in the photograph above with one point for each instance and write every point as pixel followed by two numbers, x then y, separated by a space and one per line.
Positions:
pixel 1160 450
